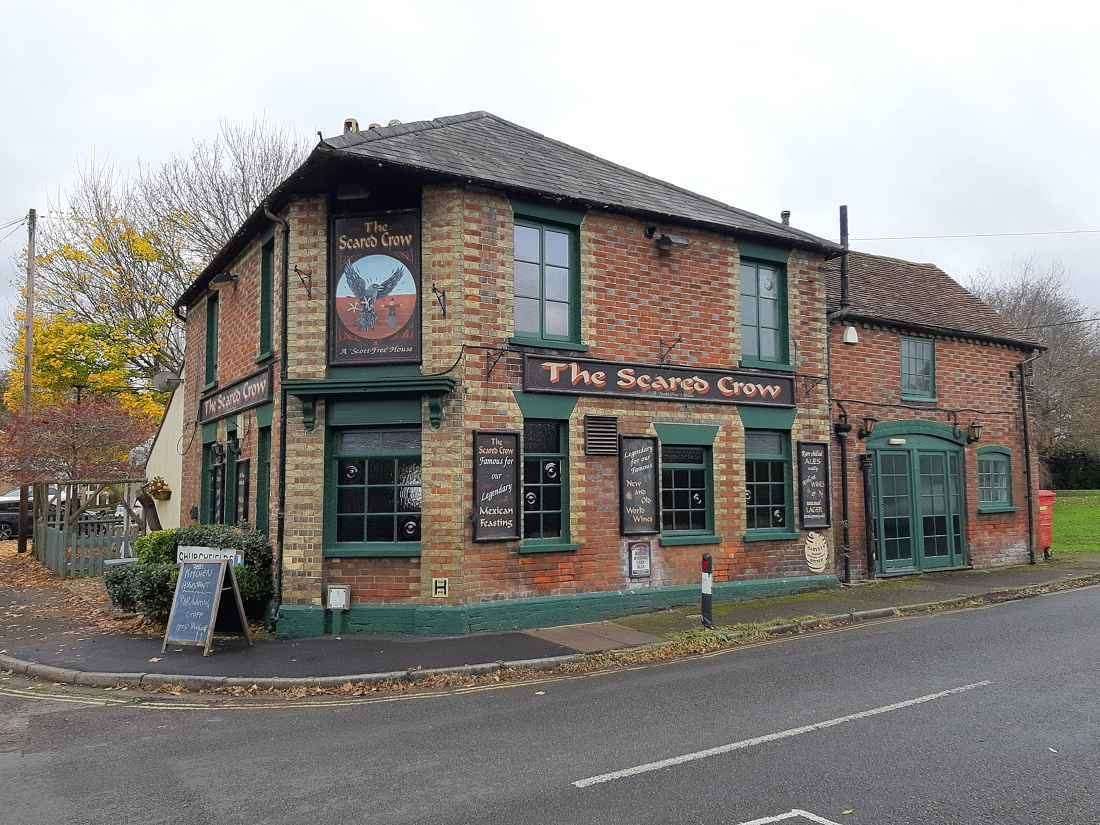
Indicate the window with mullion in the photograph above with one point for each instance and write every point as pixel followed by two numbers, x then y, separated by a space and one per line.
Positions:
pixel 267 282
pixel 545 278
pixel 994 479
pixel 379 492
pixel 767 480
pixel 763 313
pixel 918 367
pixel 545 480
pixel 685 497
pixel 212 339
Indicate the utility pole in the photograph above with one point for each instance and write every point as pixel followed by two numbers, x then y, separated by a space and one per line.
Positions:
pixel 28 354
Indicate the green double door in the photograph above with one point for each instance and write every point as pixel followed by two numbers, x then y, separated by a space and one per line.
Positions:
pixel 919 507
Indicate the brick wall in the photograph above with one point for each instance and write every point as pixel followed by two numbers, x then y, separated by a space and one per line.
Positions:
pixel 978 379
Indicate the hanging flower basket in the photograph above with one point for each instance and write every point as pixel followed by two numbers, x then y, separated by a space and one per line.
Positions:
pixel 158 488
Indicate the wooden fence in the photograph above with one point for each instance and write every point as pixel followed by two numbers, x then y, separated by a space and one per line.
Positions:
pixel 72 537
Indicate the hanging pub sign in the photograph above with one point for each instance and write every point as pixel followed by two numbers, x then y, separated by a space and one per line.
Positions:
pixel 243 395
pixel 657 383
pixel 496 485
pixel 374 289
pixel 813 477
pixel 639 496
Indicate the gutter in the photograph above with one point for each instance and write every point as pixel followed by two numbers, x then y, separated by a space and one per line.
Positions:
pixel 844 313
pixel 1027 457
pixel 277 603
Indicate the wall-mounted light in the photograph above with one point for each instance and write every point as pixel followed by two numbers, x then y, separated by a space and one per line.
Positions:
pixel 665 242
pixel 221 278
pixel 974 432
pixel 851 336
pixel 867 427
pixel 842 427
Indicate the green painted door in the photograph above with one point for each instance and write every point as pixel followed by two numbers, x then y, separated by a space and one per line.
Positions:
pixel 895 511
pixel 919 508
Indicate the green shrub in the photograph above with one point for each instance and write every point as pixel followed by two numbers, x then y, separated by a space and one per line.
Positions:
pixel 151 582
pixel 256 589
pixel 156 548
pixel 155 585
pixel 121 584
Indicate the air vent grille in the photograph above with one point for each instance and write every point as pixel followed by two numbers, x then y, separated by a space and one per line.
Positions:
pixel 601 435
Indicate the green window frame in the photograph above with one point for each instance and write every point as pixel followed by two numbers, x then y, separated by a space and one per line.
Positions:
pixel 769 493
pixel 995 480
pixel 546 290
pixel 918 368
pixel 374 496
pixel 546 486
pixel 214 479
pixel 212 339
pixel 764 333
pixel 687 490
pixel 267 299
pixel 263 479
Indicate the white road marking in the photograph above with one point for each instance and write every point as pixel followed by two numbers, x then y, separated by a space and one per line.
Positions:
pixel 820 820
pixel 770 737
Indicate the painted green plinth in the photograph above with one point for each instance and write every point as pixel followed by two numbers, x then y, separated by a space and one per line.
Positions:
pixel 524 614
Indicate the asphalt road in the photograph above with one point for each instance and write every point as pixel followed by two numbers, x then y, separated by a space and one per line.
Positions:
pixel 1019 744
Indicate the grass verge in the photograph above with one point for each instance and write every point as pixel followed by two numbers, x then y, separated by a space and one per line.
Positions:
pixel 1077 521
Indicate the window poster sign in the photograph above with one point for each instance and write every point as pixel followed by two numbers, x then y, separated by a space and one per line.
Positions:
pixel 496 486
pixel 813 478
pixel 583 376
pixel 374 289
pixel 639 496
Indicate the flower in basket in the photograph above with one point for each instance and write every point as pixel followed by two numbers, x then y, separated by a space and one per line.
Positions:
pixel 158 488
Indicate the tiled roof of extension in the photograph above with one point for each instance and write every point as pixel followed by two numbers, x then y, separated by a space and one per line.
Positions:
pixel 916 295
pixel 482 147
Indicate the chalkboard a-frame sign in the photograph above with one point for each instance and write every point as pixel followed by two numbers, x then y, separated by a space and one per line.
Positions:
pixel 814 500
pixel 639 486
pixel 194 613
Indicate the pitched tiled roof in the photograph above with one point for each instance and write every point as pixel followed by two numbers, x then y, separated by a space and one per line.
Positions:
pixel 482 147
pixel 915 295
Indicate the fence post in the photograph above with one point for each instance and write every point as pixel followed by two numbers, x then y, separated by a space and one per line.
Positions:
pixel 707 588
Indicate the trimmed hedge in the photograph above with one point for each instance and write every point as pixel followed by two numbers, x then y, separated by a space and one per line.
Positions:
pixel 149 584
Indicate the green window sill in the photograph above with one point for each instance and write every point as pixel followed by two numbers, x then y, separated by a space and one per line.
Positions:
pixel 770 535
pixel 537 546
pixel 542 343
pixel 374 550
pixel 688 539
pixel 774 366
pixel 266 355
pixel 922 399
pixel 996 508
pixel 209 385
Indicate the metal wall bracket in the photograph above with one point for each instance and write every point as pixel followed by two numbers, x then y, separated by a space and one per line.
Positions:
pixel 667 350
pixel 491 360
pixel 440 298
pixel 307 281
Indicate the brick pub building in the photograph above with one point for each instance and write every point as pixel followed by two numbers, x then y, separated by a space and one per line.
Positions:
pixel 928 407
pixel 471 378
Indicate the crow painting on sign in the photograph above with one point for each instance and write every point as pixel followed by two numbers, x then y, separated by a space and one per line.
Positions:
pixel 375 288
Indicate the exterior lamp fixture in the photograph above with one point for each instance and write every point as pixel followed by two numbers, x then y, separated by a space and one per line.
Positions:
pixel 842 427
pixel 851 336
pixel 868 427
pixel 666 242
pixel 226 277
pixel 974 432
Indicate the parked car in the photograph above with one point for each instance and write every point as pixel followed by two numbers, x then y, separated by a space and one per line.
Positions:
pixel 9 516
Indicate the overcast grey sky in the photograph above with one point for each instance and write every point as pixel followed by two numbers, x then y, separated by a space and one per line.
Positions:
pixel 927 119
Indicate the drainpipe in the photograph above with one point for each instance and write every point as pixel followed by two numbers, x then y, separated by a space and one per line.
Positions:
pixel 277 603
pixel 844 256
pixel 842 428
pixel 869 512
pixel 1027 458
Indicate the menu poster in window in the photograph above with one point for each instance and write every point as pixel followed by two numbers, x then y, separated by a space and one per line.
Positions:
pixel 374 289
pixel 639 494
pixel 496 486
pixel 813 476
